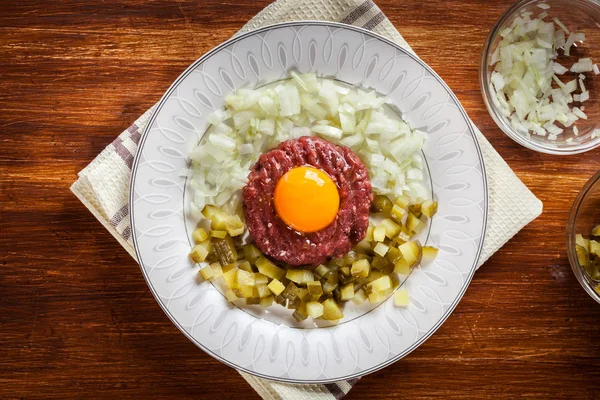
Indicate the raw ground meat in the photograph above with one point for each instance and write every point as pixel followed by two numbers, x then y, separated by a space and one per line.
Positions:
pixel 276 239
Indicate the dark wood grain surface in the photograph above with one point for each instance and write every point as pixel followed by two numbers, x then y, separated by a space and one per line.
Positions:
pixel 77 320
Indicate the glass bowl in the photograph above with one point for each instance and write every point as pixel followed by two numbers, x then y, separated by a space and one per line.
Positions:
pixel 584 216
pixel 577 16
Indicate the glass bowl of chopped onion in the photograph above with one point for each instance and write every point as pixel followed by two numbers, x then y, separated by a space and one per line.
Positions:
pixel 539 71
pixel 583 237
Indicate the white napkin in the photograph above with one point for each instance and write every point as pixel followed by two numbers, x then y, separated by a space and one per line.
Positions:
pixel 103 186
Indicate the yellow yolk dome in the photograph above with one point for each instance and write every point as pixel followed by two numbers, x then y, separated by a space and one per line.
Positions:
pixel 306 199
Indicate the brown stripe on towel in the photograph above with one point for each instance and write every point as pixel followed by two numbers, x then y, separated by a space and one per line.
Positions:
pixel 123 151
pixel 135 136
pixel 335 390
pixel 358 12
pixel 126 233
pixel 353 381
pixel 373 22
pixel 119 215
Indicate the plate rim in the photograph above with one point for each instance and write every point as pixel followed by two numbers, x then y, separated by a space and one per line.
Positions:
pixel 414 57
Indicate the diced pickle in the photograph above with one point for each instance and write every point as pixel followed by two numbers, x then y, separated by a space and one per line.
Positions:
pixel 429 254
pixel 350 258
pixel 251 253
pixel 276 287
pixel 381 249
pixel 300 314
pixel 402 201
pixel 230 278
pixel 302 293
pixel 403 236
pixel 345 271
pixel 230 296
pixel 229 267
pixel 388 269
pixel 300 276
pixel 214 213
pixel 218 271
pixel 413 223
pixel 333 278
pixel 374 275
pixel 261 279
pixel 266 301
pixel 199 253
pixel 218 234
pixel 294 304
pixel 595 247
pixel 314 288
pixel 199 235
pixel 391 228
pixel 359 297
pixel 331 310
pixel 282 301
pixel 360 268
pixel 347 292
pixel 401 267
pixel 245 265
pixel 314 309
pixel 381 204
pixel 393 255
pixel 252 300
pixel 585 243
pixel 364 247
pixel 582 255
pixel 234 225
pixel 337 262
pixel 401 298
pixel 378 297
pixel 379 262
pixel 379 233
pixel 412 252
pixel 429 208
pixel 415 209
pixel 348 279
pixel 369 235
pixel 322 270
pixel 291 291
pixel 263 291
pixel 207 273
pixel 244 291
pixel 224 249
pixel 397 214
pixel 268 268
pixel 381 284
pixel 328 288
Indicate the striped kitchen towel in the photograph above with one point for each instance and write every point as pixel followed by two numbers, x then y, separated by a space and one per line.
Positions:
pixel 103 186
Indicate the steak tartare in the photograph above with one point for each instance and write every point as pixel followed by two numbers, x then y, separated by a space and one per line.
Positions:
pixel 281 242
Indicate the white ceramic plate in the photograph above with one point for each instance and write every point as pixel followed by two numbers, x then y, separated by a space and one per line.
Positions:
pixel 268 343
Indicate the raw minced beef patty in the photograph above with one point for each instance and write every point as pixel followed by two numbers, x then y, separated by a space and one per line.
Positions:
pixel 276 239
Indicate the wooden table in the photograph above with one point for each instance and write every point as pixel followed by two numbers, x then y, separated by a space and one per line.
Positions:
pixel 77 320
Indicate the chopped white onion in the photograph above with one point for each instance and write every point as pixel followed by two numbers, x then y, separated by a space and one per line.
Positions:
pixel 543 6
pixel 255 121
pixel 525 67
pixel 582 65
pixel 561 25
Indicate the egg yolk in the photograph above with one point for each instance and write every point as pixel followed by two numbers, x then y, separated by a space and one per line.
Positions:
pixel 306 199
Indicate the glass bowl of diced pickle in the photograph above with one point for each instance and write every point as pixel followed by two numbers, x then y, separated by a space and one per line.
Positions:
pixel 583 237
